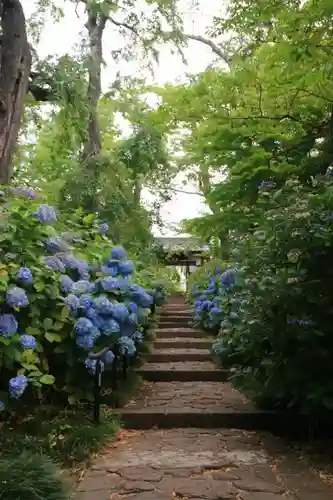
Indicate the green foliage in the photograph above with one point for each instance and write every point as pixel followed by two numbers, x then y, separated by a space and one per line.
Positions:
pixel 67 437
pixel 268 118
pixel 281 342
pixel 55 366
pixel 30 477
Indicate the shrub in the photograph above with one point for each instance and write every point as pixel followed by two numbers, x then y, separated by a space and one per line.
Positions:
pixel 199 278
pixel 282 342
pixel 63 294
pixel 212 297
pixel 30 477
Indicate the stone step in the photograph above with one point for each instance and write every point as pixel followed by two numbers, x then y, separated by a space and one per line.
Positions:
pixel 183 343
pixel 176 310
pixel 172 332
pixel 176 354
pixel 208 418
pixel 181 320
pixel 192 404
pixel 182 372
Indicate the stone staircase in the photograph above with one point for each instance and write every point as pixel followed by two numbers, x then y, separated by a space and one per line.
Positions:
pixel 188 434
pixel 182 386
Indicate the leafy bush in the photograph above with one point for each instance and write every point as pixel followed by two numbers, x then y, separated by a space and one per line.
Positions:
pixel 63 294
pixel 281 340
pixel 199 278
pixel 30 477
pixel 214 302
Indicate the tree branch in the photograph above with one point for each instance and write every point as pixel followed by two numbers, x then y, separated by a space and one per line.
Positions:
pixel 214 47
pixel 182 191
pixel 169 34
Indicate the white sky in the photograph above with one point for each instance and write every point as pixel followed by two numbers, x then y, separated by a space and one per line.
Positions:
pixel 60 38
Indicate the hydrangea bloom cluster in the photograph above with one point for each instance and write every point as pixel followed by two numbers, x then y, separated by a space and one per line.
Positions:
pixel 215 305
pixel 107 309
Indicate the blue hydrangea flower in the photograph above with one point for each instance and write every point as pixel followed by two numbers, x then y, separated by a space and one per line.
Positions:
pixel 17 386
pixel 118 253
pixel 140 296
pixel 66 284
pixel 82 286
pixel 46 213
pixel 28 341
pixel 25 275
pixel 56 244
pixel 85 301
pixel 299 322
pixel 91 364
pixel 103 305
pixel 109 357
pixel 218 348
pixel 83 326
pixel 133 319
pixel 25 191
pixel 86 342
pixel 110 284
pixel 103 228
pixel 138 337
pixel 82 268
pixel 228 278
pixel 267 185
pixel 132 307
pixel 128 329
pixel 110 327
pixel 126 268
pixel 127 346
pixel 120 312
pixel 54 263
pixel 2 406
pixel 8 325
pixel 72 302
pixel 110 270
pixel 68 260
pixel 98 320
pixel 16 297
pixel 92 314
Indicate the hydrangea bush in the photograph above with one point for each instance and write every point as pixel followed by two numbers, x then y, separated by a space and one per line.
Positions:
pixel 63 295
pixel 212 294
pixel 281 342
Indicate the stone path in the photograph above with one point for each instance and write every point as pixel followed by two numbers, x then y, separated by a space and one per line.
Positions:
pixel 172 452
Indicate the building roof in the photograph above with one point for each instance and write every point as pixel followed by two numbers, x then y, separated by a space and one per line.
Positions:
pixel 181 244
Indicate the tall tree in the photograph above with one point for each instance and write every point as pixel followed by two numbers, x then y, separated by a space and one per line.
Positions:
pixel 15 62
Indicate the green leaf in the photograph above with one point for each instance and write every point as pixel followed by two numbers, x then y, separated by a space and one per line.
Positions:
pixel 32 331
pixel 72 400
pixel 88 219
pixel 57 326
pixel 29 367
pixel 64 312
pixel 48 323
pixel 47 379
pixel 53 337
pixel 39 286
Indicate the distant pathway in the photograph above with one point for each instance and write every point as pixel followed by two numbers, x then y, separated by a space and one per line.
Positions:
pixel 182 444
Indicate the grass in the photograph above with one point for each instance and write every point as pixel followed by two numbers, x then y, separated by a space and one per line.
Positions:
pixel 27 477
pixel 68 437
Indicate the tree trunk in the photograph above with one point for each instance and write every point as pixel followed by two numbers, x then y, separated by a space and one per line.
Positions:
pixel 15 62
pixel 137 190
pixel 95 26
